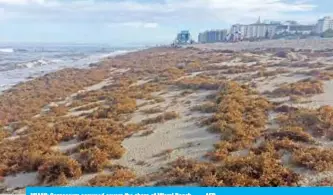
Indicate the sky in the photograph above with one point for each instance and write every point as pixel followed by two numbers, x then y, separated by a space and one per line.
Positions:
pixel 139 22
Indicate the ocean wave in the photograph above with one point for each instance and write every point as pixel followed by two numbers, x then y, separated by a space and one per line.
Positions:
pixel 113 54
pixel 118 52
pixel 4 86
pixel 6 50
pixel 34 63
pixel 18 67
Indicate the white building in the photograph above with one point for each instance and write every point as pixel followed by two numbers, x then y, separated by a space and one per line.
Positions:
pixel 324 24
pixel 256 30
pixel 238 31
pixel 212 36
pixel 301 29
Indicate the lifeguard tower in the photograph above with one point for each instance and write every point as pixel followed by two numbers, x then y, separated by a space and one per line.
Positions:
pixel 184 37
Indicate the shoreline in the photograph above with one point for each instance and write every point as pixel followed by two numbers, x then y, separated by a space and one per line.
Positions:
pixel 168 116
pixel 35 72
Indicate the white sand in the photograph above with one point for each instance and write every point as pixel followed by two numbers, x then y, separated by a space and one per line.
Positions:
pixel 21 130
pixel 83 180
pixel 310 177
pixel 181 136
pixel 67 145
pixel 319 100
pixel 21 180
pixel 271 84
pixel 13 137
pixel 79 113
pixel 138 116
pixel 141 82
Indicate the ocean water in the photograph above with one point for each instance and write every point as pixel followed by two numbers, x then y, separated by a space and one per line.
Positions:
pixel 21 62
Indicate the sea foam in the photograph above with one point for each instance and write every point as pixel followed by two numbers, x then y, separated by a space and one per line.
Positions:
pixel 6 50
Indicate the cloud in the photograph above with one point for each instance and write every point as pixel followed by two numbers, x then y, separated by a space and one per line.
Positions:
pixel 21 2
pixel 135 24
pixel 150 25
pixel 141 24
pixel 166 17
pixel 168 11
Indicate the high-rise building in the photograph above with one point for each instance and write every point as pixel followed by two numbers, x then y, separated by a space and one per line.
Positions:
pixel 270 29
pixel 265 30
pixel 201 38
pixel 293 28
pixel 301 29
pixel 256 30
pixel 324 24
pixel 212 36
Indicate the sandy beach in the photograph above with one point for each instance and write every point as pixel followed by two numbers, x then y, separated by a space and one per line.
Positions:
pixel 203 115
pixel 301 44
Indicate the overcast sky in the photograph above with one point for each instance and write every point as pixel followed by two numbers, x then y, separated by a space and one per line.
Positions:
pixel 125 22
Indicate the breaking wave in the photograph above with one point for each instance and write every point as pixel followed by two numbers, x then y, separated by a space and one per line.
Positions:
pixel 7 50
pixel 18 64
pixel 36 63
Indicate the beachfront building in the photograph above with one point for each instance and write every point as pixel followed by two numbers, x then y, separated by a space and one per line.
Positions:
pixel 212 36
pixel 201 38
pixel 238 31
pixel 295 29
pixel 253 31
pixel 324 24
pixel 269 30
pixel 266 30
pixel 301 29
